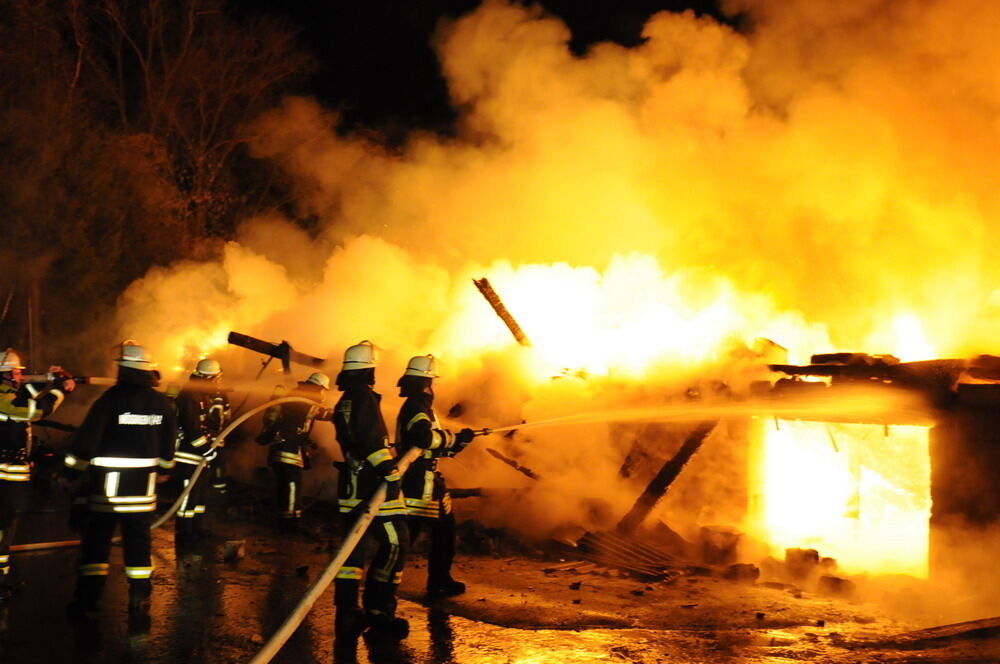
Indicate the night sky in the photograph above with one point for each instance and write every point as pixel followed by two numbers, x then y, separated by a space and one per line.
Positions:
pixel 377 65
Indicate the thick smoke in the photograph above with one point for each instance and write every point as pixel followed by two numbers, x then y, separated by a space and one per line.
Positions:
pixel 826 179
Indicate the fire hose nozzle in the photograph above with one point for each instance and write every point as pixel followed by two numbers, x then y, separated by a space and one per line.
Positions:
pixel 482 432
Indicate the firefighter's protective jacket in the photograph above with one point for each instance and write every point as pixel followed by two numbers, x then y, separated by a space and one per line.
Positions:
pixel 287 428
pixel 19 407
pixel 417 425
pixel 126 439
pixel 364 442
pixel 202 413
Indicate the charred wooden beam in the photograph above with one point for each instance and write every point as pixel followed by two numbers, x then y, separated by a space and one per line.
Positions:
pixel 283 351
pixel 658 486
pixel 491 296
pixel 524 470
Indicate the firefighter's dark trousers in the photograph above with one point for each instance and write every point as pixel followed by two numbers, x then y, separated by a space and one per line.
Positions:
pixel 11 498
pixel 95 550
pixel 218 474
pixel 289 490
pixel 391 538
pixel 442 550
pixel 191 513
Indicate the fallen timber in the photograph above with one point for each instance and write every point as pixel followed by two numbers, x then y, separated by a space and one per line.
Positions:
pixel 658 486
pixel 283 352
pixel 524 470
pixel 494 300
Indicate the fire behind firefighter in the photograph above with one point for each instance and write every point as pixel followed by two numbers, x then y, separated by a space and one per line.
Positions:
pixel 124 443
pixel 202 413
pixel 286 429
pixel 20 405
pixel 368 460
pixel 428 503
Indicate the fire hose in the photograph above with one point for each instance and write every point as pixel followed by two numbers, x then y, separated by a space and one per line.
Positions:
pixel 321 583
pixel 351 539
pixel 217 443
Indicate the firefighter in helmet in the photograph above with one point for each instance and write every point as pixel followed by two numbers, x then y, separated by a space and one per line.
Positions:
pixel 428 503
pixel 368 461
pixel 286 429
pixel 20 405
pixel 125 443
pixel 202 412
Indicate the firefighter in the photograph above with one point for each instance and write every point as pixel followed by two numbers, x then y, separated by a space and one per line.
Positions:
pixel 202 413
pixel 428 503
pixel 368 460
pixel 125 442
pixel 286 429
pixel 20 405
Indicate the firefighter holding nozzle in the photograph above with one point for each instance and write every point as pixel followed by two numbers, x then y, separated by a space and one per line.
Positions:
pixel 125 444
pixel 428 502
pixel 20 405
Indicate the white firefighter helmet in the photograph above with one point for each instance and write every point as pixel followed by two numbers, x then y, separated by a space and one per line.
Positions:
pixel 135 356
pixel 208 368
pixel 360 356
pixel 9 361
pixel 320 379
pixel 424 366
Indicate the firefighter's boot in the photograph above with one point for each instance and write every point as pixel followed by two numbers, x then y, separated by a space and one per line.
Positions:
pixel 447 587
pixel 199 528
pixel 139 592
pixel 350 619
pixel 442 554
pixel 380 612
pixel 183 530
pixel 86 597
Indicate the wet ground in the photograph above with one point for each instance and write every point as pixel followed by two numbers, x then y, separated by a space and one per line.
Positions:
pixel 206 609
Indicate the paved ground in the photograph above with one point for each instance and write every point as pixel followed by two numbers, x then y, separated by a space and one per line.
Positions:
pixel 208 610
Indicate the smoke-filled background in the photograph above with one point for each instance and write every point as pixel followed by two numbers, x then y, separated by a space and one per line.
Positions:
pixel 822 175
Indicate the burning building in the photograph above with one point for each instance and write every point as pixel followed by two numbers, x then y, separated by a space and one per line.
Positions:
pixel 824 178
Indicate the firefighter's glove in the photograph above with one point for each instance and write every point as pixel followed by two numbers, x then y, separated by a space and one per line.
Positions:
pixel 463 438
pixel 392 489
pixel 393 481
pixel 62 378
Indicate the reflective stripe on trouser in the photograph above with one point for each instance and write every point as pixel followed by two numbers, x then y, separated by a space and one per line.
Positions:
pixel 95 547
pixel 12 494
pixel 194 504
pixel 289 489
pixel 220 480
pixel 15 472
pixel 392 540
